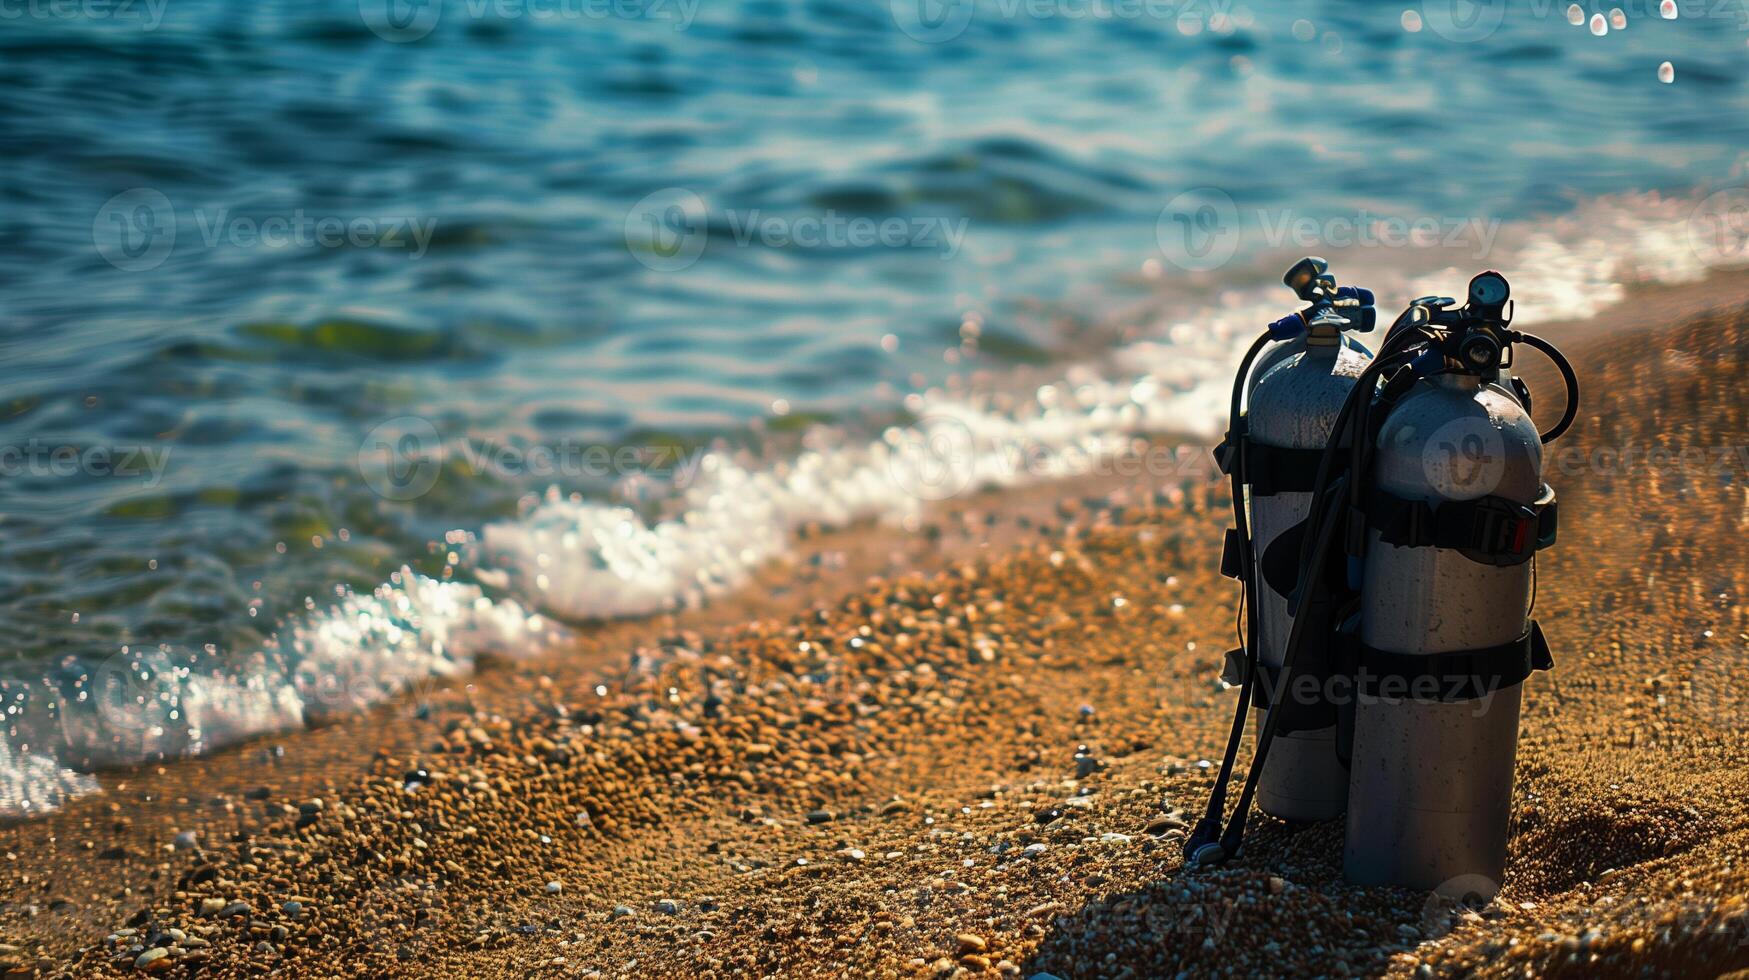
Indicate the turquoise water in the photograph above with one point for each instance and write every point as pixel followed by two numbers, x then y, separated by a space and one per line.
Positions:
pixel 243 245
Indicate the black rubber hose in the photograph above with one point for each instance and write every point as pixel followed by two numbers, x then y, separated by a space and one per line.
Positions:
pixel 1554 354
pixel 1210 825
pixel 1236 830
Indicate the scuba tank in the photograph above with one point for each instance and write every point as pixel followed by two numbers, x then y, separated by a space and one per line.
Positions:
pixel 1431 467
pixel 1285 399
pixel 1452 515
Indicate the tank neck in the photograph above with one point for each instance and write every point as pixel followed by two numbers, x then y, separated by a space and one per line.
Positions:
pixel 1458 382
pixel 1323 337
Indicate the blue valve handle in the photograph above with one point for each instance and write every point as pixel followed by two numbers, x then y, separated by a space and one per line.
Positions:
pixel 1361 315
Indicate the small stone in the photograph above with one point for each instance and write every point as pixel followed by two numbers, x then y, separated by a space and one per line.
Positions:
pixel 621 911
pixel 186 841
pixel 820 816
pixel 292 910
pixel 152 960
pixel 210 907
pixel 1277 885
pixel 970 942
pixel 1164 824
pixel 555 887
pixel 668 906
pixel 1033 850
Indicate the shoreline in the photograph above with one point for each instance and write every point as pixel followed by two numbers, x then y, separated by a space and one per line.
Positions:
pixel 764 755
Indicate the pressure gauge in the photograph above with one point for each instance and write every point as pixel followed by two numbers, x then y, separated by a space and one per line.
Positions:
pixel 1489 289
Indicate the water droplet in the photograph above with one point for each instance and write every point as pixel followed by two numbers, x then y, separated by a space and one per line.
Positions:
pixel 1599 26
pixel 1303 30
pixel 1575 14
pixel 1667 10
pixel 1666 73
pixel 1412 21
pixel 1618 20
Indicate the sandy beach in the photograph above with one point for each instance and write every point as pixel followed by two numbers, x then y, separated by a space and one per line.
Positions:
pixel 974 749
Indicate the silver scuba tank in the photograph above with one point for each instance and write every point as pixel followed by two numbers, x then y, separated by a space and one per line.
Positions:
pixel 1292 411
pixel 1455 509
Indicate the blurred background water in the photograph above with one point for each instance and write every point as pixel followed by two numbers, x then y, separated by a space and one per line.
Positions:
pixel 237 239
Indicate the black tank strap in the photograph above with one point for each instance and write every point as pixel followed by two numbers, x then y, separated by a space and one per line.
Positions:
pixel 1460 675
pixel 1269 470
pixel 1490 530
pixel 1272 469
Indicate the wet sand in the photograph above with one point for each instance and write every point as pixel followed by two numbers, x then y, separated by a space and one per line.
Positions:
pixel 974 747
